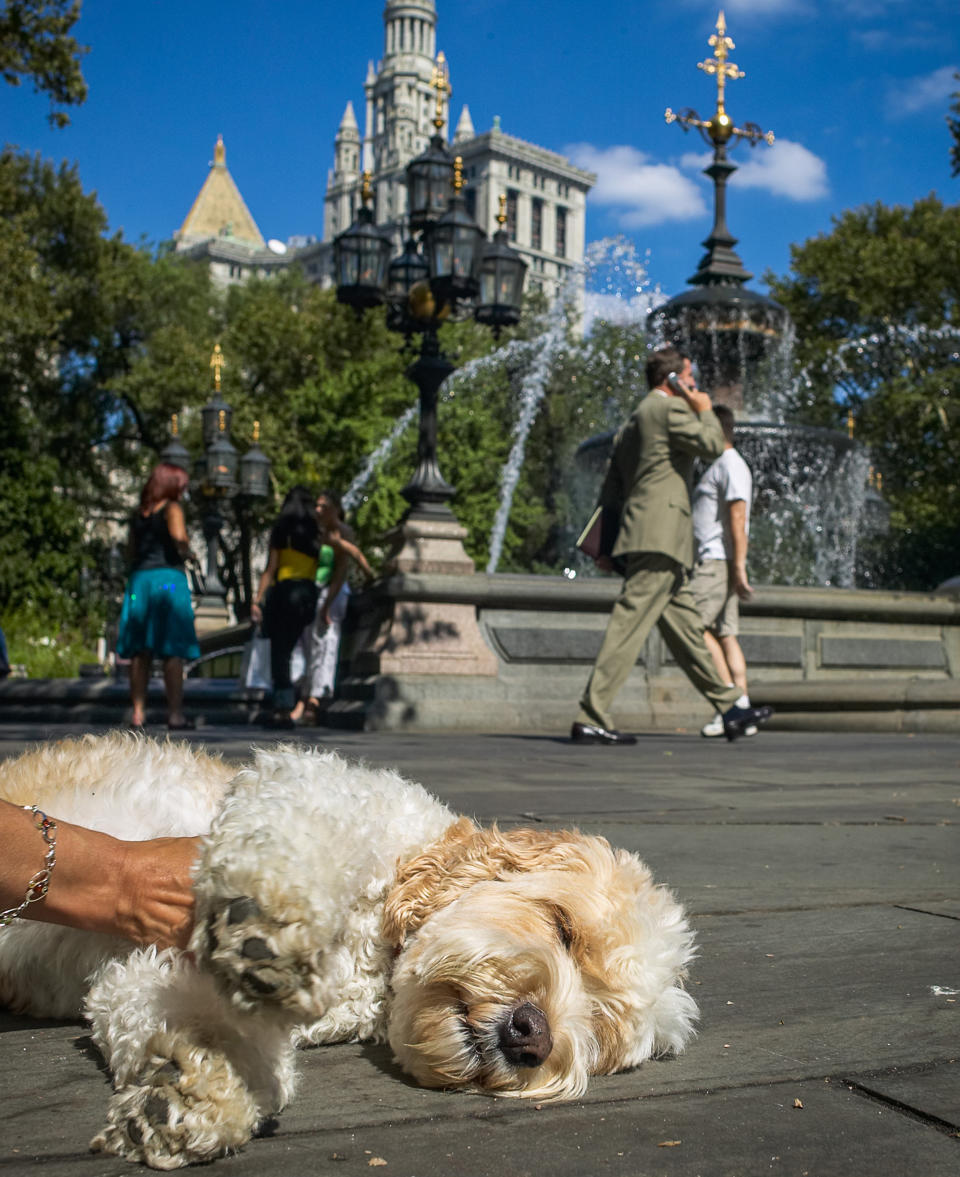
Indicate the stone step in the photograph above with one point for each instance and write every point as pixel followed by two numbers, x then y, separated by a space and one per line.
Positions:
pixel 107 701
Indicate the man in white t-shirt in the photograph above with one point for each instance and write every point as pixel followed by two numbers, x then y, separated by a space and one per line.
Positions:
pixel 721 527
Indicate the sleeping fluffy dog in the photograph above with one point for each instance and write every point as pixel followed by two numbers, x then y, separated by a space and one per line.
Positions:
pixel 337 902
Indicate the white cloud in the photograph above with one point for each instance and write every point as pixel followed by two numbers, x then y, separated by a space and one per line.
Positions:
pixel 644 192
pixel 785 169
pixel 931 90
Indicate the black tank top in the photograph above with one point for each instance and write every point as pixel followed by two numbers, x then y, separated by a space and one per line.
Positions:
pixel 153 546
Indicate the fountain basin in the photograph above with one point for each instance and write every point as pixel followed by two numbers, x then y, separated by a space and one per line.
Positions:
pixel 734 336
pixel 809 499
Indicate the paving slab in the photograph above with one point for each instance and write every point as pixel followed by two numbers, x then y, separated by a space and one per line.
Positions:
pixel 823 879
pixel 932 1091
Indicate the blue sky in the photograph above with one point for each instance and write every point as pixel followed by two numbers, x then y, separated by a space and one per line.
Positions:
pixel 855 91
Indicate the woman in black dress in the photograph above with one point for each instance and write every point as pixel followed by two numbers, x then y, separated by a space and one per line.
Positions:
pixel 286 597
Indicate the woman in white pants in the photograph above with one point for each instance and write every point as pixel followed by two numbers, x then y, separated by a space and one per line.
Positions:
pixel 321 639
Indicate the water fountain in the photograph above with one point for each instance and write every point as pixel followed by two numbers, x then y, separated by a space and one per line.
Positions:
pixel 810 484
pixel 817 653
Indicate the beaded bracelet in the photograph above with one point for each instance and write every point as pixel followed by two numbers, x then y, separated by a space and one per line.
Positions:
pixel 40 883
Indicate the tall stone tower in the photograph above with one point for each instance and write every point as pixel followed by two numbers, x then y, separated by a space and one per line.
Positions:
pixel 545 193
pixel 400 109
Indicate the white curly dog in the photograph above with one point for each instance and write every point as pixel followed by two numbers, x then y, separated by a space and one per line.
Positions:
pixel 337 902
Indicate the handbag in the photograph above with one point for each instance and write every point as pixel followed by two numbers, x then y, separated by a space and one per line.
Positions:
pixel 255 671
pixel 599 536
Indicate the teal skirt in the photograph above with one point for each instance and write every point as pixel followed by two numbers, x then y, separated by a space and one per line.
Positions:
pixel 157 616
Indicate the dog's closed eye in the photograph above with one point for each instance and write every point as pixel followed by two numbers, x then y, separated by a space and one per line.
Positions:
pixel 564 926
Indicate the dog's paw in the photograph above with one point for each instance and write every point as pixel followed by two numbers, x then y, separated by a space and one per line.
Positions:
pixel 262 960
pixel 187 1108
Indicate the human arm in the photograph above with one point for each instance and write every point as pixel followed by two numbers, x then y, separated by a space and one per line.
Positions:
pixel 341 564
pixel 176 525
pixel 357 557
pixel 266 580
pixel 141 891
pixel 699 434
pixel 738 537
pixel 698 401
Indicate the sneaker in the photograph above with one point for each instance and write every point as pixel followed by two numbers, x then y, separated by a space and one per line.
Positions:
pixel 714 728
pixel 737 720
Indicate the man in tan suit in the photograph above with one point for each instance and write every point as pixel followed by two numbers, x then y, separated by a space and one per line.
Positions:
pixel 648 485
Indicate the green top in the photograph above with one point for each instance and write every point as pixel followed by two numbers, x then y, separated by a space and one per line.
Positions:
pixel 325 565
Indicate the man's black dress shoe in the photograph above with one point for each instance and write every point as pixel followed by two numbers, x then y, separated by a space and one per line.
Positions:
pixel 587 733
pixel 737 719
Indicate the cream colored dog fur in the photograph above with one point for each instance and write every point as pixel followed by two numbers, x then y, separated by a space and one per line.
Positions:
pixel 337 902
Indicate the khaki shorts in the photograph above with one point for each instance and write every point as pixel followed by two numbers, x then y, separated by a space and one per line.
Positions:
pixel 716 601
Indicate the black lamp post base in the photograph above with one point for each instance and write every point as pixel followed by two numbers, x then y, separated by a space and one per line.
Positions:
pixel 211 610
pixel 428 492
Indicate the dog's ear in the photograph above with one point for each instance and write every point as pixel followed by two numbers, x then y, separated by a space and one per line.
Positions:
pixel 466 855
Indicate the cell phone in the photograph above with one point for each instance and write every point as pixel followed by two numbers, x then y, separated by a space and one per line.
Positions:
pixel 675 384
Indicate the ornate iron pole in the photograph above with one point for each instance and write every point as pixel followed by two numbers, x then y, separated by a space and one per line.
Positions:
pixel 720 264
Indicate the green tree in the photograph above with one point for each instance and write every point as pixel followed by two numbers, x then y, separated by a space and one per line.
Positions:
pixel 95 351
pixel 100 342
pixel 51 249
pixel 35 43
pixel 953 122
pixel 876 304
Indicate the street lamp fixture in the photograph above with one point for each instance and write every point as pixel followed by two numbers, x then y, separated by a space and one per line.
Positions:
pixel 216 414
pixel 175 453
pixel 361 255
pixel 222 477
pixel 502 271
pixel 445 265
pixel 454 245
pixel 429 175
pixel 255 469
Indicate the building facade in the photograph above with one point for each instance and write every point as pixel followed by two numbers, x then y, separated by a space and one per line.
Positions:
pixel 220 230
pixel 545 193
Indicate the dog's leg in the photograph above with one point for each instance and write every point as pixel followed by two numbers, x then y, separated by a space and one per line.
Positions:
pixel 193 1077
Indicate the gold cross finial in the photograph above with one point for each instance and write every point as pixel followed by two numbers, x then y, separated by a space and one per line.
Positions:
pixel 216 362
pixel 440 81
pixel 720 128
pixel 174 427
pixel 256 431
pixel 721 44
pixel 366 189
pixel 502 214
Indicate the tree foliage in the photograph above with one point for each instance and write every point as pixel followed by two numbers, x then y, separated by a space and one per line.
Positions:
pixel 876 304
pixel 953 122
pixel 62 284
pixel 101 342
pixel 35 43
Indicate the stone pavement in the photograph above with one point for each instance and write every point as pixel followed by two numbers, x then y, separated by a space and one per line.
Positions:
pixel 822 872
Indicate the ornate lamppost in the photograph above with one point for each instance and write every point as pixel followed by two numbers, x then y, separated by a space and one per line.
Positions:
pixel 222 477
pixel 726 326
pixel 446 268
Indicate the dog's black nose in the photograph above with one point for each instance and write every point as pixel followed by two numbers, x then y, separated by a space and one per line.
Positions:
pixel 525 1039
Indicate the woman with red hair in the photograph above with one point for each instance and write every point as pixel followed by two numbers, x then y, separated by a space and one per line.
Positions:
pixel 157 616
